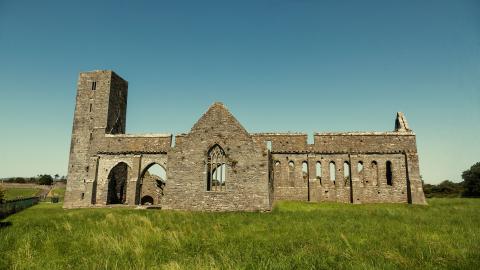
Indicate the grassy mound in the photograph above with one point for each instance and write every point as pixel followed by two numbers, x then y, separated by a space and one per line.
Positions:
pixel 295 235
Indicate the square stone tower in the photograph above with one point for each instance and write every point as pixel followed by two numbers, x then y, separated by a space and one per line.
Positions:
pixel 101 108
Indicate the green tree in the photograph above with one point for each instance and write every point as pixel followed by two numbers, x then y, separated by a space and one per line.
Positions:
pixel 471 183
pixel 45 179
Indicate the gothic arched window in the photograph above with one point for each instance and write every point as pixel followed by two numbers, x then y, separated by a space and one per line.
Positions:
pixel 216 169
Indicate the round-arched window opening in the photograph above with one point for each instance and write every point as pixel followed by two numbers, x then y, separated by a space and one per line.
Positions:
pixel 147 200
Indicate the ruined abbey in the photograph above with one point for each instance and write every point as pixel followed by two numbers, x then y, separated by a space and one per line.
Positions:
pixel 220 166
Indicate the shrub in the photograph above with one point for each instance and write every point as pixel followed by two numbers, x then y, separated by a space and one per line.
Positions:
pixel 19 180
pixel 471 182
pixel 444 189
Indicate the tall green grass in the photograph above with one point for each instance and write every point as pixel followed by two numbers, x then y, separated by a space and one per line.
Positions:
pixel 443 235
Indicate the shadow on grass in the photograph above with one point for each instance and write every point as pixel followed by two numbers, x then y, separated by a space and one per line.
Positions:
pixel 5 224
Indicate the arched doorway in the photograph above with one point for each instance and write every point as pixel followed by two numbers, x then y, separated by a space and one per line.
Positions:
pixel 152 185
pixel 117 184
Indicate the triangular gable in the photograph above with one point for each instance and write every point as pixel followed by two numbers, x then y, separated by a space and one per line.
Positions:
pixel 218 117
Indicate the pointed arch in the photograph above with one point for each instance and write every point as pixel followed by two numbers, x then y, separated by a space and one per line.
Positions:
pixel 117 183
pixel 216 168
pixel 151 184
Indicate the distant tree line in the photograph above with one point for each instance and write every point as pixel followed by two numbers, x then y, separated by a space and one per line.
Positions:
pixel 469 187
pixel 444 189
pixel 42 179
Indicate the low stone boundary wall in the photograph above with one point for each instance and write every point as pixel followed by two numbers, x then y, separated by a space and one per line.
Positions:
pixel 13 206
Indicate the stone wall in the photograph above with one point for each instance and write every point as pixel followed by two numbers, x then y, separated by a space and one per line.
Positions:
pixel 126 143
pixel 364 142
pixel 397 147
pixel 97 185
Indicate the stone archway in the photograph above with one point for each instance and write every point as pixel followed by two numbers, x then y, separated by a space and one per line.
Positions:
pixel 117 183
pixel 151 184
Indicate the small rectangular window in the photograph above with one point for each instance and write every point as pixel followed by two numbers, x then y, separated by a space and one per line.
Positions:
pixel 82 196
pixel 94 85
pixel 91 107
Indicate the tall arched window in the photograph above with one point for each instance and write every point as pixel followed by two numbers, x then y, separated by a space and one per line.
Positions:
pixel 332 171
pixel 277 172
pixel 305 171
pixel 291 173
pixel 291 165
pixel 389 173
pixel 216 169
pixel 318 170
pixel 360 172
pixel 360 167
pixel 346 173
pixel 374 173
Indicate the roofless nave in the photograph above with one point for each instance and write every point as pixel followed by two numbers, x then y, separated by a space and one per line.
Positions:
pixel 219 166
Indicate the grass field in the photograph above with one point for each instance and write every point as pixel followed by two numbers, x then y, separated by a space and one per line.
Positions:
pixel 14 193
pixel 443 235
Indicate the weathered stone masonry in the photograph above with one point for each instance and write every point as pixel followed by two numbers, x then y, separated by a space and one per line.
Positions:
pixel 247 172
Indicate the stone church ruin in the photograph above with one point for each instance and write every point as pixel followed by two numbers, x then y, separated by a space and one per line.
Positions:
pixel 220 166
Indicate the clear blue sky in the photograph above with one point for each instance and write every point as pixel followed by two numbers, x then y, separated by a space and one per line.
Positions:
pixel 301 66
